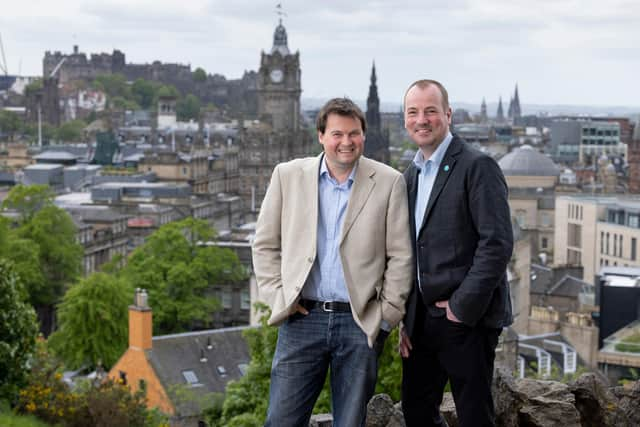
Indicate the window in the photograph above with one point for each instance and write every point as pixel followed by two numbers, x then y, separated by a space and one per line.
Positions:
pixel 602 242
pixel 221 371
pixel 607 244
pixel 615 244
pixel 245 300
pixel 632 220
pixel 633 248
pixel 574 235
pixel 190 377
pixel 544 243
pixel 226 298
pixel 123 377
pixel 620 246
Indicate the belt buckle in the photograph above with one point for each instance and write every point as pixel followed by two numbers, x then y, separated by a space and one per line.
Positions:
pixel 326 308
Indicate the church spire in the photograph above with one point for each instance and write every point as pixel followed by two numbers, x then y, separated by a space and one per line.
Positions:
pixel 373 102
pixel 517 113
pixel 500 113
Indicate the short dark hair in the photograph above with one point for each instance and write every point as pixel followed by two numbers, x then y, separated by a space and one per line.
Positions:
pixel 341 107
pixel 425 83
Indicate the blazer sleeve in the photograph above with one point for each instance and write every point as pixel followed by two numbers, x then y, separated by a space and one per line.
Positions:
pixel 398 275
pixel 266 249
pixel 489 211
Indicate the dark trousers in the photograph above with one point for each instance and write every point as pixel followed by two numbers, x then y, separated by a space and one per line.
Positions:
pixel 444 350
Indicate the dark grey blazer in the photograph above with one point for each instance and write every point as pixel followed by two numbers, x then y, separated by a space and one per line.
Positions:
pixel 465 241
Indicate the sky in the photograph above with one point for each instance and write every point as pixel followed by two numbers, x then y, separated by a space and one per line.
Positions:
pixel 569 52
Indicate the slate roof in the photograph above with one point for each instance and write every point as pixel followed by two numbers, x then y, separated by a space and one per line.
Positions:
pixel 552 344
pixel 179 357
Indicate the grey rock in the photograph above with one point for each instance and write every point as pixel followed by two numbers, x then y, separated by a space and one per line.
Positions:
pixel 594 401
pixel 379 410
pixel 547 412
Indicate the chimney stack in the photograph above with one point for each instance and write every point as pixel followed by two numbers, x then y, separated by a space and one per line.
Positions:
pixel 140 322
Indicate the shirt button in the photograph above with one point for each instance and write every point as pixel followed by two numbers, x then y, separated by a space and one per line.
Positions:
pixel 310 259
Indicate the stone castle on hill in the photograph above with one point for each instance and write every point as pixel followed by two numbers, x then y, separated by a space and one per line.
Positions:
pixel 236 94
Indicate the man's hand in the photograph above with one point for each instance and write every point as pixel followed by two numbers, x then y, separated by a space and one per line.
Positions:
pixel 452 317
pixel 405 344
pixel 299 309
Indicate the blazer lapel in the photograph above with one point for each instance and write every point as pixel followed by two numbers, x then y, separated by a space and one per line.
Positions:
pixel 412 192
pixel 310 174
pixel 445 170
pixel 363 185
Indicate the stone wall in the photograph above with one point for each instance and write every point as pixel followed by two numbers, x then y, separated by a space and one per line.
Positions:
pixel 585 402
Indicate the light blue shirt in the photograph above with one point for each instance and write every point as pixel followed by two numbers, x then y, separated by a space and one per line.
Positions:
pixel 427 176
pixel 326 280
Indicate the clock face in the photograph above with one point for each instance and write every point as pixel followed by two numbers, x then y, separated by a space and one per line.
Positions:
pixel 276 75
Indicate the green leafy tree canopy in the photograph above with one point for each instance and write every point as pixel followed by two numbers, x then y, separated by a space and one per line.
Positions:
pixel 178 273
pixel 18 329
pixel 93 322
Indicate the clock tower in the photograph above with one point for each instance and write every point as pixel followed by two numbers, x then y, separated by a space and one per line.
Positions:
pixel 279 84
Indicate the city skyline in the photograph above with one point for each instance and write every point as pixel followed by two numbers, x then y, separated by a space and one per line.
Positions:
pixel 558 52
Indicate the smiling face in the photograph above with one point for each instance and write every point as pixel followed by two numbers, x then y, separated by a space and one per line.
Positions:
pixel 343 143
pixel 426 117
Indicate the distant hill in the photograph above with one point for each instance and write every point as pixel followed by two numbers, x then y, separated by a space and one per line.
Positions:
pixel 550 110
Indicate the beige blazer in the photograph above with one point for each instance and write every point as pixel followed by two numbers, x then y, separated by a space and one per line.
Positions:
pixel 375 246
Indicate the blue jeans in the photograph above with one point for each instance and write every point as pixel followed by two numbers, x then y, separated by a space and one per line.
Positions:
pixel 307 347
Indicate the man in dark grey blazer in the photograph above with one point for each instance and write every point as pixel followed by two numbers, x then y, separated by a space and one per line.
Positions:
pixel 463 241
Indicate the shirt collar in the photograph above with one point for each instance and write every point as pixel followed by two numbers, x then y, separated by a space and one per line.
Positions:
pixel 325 171
pixel 436 156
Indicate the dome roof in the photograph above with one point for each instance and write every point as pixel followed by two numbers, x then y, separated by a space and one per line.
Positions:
pixel 525 161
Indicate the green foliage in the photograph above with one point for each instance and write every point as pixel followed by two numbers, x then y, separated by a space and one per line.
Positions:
pixel 168 91
pixel 28 199
pixel 632 377
pixel 143 92
pixel 71 131
pixel 106 403
pixel 46 396
pixel 199 75
pixel 113 85
pixel 93 322
pixel 390 368
pixel 10 123
pixel 630 344
pixel 188 108
pixel 246 400
pixel 60 257
pixel 18 329
pixel 33 87
pixel 124 103
pixel 12 420
pixel 178 273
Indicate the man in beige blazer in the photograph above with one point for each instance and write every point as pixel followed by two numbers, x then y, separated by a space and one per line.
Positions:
pixel 333 259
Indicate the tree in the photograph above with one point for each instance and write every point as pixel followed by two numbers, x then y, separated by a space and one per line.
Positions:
pixel 188 108
pixel 18 329
pixel 10 123
pixel 53 238
pixel 167 91
pixel 28 199
pixel 93 322
pixel 71 131
pixel 199 75
pixel 113 85
pixel 143 92
pixel 178 273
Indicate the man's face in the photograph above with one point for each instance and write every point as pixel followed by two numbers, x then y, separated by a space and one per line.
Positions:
pixel 425 118
pixel 343 142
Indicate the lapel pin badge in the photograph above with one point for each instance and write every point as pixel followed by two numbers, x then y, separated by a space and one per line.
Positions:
pixel 446 168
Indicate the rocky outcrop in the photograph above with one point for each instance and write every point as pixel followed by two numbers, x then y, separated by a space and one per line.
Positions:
pixel 585 402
